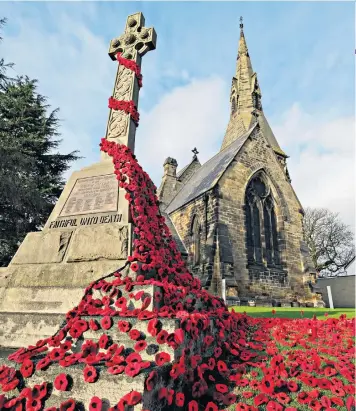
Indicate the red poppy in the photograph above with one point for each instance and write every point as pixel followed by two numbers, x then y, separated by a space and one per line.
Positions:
pixel 94 325
pixel 162 337
pixel 153 326
pixel 329 371
pixel 242 407
pixel 121 302
pixel 274 406
pixel 61 382
pixel 124 326
pixel 78 328
pixel 27 368
pixel 33 404
pixel 151 380
pixel 267 385
pixel 323 383
pixel 56 354
pixel 179 336
pixel 104 341
pixel 325 401
pixel 10 404
pixel 221 388
pixel 146 315
pixel 179 399
pixel 133 398
pixel 90 374
pixel 140 345
pixel 162 358
pixel 133 357
pixel 283 398
pixel 10 385
pixel 315 405
pixel 134 334
pixel 68 405
pixel 133 369
pixel 229 399
pixel 106 322
pixel 303 397
pixel 248 394
pixel 193 406
pixel 337 390
pixel 95 404
pixel 116 369
pixel 292 386
pixel 350 403
pixel 211 407
pixel 222 367
pixel 42 364
pixel 260 399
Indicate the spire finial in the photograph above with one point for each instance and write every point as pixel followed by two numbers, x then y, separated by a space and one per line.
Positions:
pixel 241 23
pixel 195 152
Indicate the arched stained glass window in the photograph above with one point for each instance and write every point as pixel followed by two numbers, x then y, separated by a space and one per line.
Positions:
pixel 261 223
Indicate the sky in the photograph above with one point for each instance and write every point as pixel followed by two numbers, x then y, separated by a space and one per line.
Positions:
pixel 303 53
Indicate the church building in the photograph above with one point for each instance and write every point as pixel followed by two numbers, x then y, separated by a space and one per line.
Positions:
pixel 236 217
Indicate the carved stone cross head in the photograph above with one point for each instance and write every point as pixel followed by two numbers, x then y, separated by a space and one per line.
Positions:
pixel 136 40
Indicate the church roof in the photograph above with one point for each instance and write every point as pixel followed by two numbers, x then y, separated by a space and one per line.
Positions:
pixel 174 233
pixel 208 174
pixel 181 172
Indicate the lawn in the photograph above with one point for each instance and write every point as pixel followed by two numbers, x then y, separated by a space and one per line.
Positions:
pixel 295 312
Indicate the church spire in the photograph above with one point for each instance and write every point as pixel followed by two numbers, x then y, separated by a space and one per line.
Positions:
pixel 245 99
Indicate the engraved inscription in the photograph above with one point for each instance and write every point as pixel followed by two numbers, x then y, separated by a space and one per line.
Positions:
pixel 78 221
pixel 92 195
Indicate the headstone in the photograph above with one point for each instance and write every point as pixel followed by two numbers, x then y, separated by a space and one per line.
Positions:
pixel 88 233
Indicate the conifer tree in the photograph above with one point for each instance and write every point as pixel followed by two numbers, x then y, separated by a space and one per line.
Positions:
pixel 31 169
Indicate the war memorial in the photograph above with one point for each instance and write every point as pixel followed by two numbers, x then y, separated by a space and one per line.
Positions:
pixel 104 310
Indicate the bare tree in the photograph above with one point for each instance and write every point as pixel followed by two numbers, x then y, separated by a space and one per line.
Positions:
pixel 330 241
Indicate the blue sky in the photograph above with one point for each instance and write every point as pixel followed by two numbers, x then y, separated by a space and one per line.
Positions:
pixel 303 53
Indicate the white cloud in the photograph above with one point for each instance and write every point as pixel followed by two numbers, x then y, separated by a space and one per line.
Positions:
pixel 65 62
pixel 194 115
pixel 322 162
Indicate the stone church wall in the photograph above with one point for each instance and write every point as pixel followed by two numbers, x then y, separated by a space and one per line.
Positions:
pixel 254 156
pixel 205 208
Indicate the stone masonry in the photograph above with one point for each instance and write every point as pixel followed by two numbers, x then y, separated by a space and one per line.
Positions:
pixel 208 207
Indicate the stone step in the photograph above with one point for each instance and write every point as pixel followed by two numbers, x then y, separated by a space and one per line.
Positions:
pixel 122 338
pixel 108 386
pixel 23 329
pixel 19 329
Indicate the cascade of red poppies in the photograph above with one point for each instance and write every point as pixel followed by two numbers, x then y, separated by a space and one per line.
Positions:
pixel 212 358
pixel 128 107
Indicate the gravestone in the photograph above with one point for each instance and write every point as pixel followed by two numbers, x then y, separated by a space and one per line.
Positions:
pixel 88 233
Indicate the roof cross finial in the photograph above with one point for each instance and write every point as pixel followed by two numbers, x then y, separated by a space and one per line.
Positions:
pixel 241 23
pixel 195 152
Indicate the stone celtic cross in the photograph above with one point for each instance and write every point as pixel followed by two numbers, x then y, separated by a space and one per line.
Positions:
pixel 135 42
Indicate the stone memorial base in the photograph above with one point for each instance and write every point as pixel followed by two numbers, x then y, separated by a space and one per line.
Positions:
pixel 87 236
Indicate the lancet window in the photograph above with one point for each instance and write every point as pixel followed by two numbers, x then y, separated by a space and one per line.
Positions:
pixel 261 224
pixel 196 235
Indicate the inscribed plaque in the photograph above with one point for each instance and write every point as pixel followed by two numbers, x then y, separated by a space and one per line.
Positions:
pixel 92 195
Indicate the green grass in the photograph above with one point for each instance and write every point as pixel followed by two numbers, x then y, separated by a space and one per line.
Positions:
pixel 294 312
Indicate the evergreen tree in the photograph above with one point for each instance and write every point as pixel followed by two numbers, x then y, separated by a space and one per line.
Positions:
pixel 31 172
